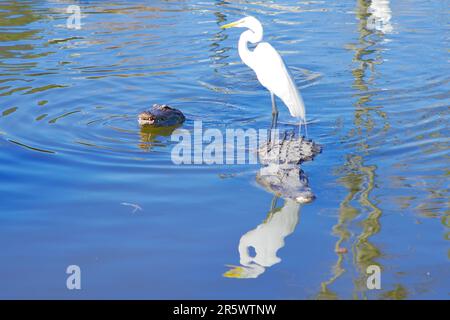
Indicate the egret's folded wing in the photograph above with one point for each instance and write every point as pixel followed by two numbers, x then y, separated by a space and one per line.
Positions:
pixel 273 74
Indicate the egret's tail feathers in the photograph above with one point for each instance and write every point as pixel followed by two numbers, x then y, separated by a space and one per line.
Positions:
pixel 297 109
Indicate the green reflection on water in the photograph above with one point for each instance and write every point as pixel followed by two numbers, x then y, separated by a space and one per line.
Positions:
pixel 16 13
pixel 398 293
pixel 9 111
pixel 357 177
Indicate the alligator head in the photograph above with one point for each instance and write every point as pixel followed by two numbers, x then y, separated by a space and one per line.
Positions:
pixel 161 116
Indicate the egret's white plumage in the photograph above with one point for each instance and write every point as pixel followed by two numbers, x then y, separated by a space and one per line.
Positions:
pixel 269 67
pixel 277 79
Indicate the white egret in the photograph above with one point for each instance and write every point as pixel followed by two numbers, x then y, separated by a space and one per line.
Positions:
pixel 269 67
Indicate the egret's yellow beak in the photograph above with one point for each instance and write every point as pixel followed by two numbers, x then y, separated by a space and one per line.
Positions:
pixel 230 25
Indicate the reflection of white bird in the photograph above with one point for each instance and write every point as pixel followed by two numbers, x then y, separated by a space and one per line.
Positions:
pixel 380 16
pixel 266 239
pixel 269 68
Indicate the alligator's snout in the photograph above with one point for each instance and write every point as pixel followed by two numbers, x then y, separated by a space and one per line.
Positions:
pixel 146 118
pixel 305 197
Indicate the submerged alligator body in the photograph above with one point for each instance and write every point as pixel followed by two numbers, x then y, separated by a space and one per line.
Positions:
pixel 161 115
pixel 289 150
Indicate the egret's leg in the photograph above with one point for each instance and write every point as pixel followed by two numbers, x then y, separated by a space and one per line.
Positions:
pixel 300 128
pixel 274 111
pixel 306 130
pixel 273 205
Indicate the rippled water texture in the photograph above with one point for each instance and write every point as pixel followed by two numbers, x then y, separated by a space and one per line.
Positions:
pixel 375 79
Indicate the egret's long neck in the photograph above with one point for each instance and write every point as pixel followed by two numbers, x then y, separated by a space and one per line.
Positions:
pixel 255 35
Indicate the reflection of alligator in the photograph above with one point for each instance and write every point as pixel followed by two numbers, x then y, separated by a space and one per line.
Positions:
pixel 161 116
pixel 280 173
pixel 151 136
pixel 285 181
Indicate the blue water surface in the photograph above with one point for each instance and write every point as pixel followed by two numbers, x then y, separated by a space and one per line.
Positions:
pixel 375 78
